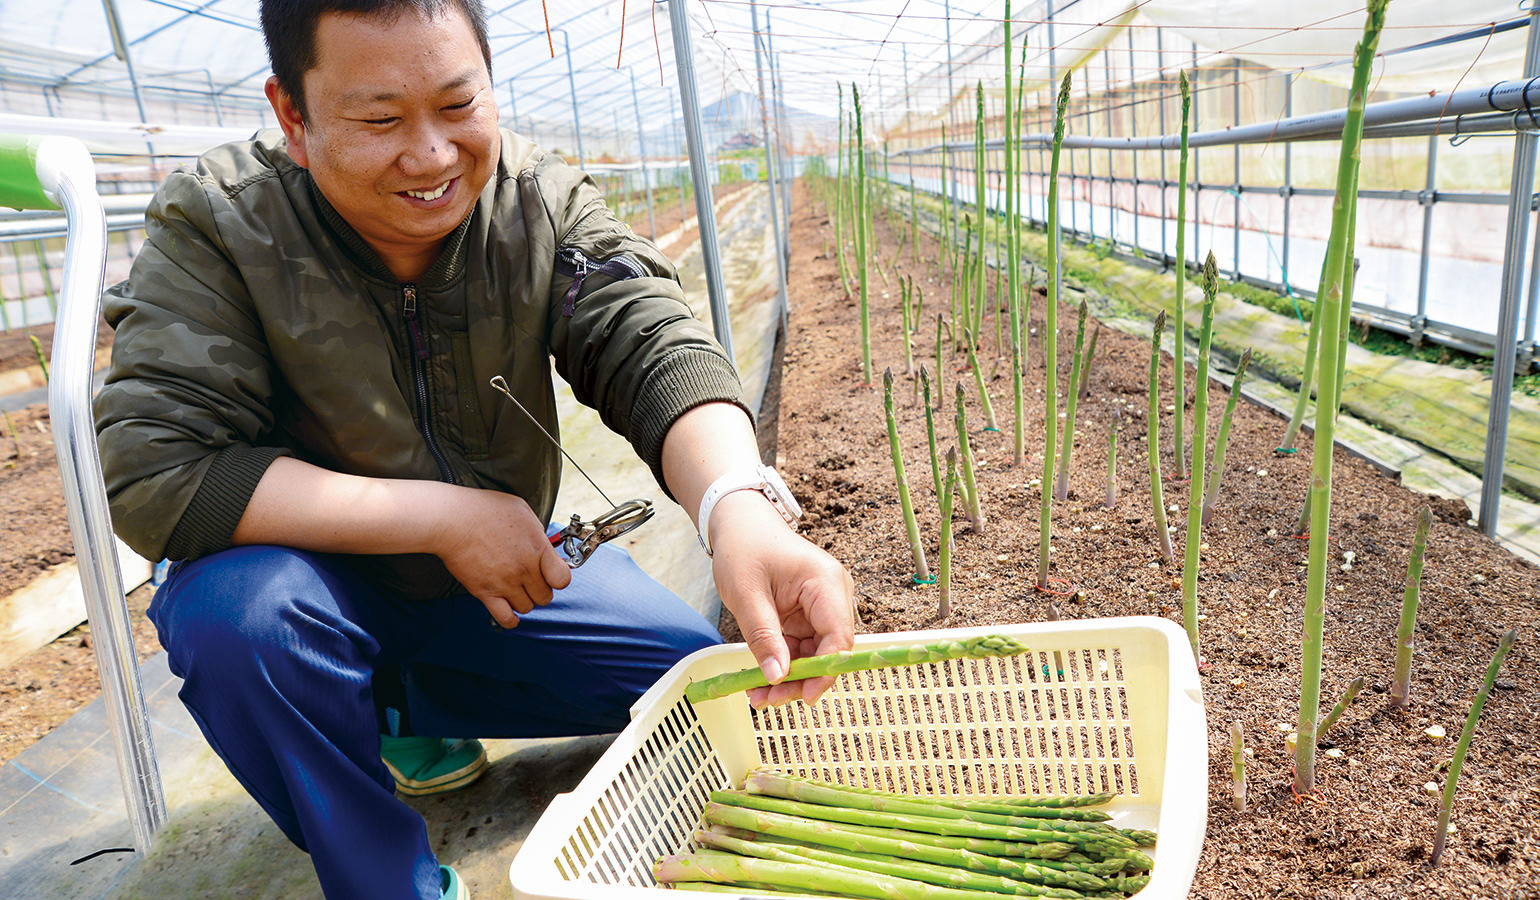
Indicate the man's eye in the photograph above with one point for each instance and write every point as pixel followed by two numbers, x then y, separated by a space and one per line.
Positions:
pixel 385 121
pixel 464 105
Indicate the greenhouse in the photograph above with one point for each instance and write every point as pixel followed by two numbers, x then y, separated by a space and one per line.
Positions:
pixel 859 448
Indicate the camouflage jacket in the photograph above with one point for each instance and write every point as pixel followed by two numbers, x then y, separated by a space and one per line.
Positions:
pixel 256 323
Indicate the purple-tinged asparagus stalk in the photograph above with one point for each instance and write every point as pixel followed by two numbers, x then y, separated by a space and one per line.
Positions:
pixel 1446 808
pixel 1401 684
pixel 1157 498
pixel 1216 470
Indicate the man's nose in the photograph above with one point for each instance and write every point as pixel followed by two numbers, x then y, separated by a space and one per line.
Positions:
pixel 429 151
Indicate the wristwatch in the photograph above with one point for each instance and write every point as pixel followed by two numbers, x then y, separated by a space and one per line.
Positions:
pixel 760 478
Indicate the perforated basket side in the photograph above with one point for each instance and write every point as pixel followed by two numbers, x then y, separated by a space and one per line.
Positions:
pixel 1044 723
pixel 649 809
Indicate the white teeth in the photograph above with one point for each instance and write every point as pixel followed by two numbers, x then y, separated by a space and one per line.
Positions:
pixel 430 195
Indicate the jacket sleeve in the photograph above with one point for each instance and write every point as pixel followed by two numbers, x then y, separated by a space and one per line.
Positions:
pixel 186 401
pixel 629 345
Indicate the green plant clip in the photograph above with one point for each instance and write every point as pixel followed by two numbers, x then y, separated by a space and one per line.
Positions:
pixel 931 579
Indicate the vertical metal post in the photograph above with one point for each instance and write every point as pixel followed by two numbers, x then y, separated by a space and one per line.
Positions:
pixel 120 46
pixel 1133 129
pixel 783 128
pixel 1288 184
pixel 1235 116
pixel 710 253
pixel 1112 171
pixel 1197 181
pixel 1520 194
pixel 577 117
pixel 678 173
pixel 1430 186
pixel 770 173
pixel 1165 185
pixel 908 121
pixel 641 149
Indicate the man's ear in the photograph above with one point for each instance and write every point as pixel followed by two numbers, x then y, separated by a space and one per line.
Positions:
pixel 289 119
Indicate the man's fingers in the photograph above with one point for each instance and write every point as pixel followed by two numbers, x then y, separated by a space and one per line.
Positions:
pixel 501 610
pixel 554 571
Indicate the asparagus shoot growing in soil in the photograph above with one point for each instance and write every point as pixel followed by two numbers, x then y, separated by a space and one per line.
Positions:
pixel 1216 470
pixel 921 569
pixel 1238 767
pixel 1050 342
pixel 1401 684
pixel 988 646
pixel 1112 458
pixel 840 212
pixel 948 494
pixel 1181 279
pixel 978 381
pixel 905 288
pixel 1157 499
pixel 1348 696
pixel 940 361
pixel 1199 450
pixel 1085 370
pixel 1013 250
pixel 965 450
pixel 1446 807
pixel 1072 396
pixel 861 229
pixel 1327 308
pixel 930 432
pixel 42 361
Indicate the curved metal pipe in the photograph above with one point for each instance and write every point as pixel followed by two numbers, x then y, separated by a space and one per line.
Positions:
pixel 85 493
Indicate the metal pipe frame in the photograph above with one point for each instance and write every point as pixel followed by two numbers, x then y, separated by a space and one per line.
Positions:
pixel 711 254
pixel 770 173
pixel 85 496
pixel 1520 197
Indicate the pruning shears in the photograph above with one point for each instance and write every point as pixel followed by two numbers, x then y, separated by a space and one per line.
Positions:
pixel 580 538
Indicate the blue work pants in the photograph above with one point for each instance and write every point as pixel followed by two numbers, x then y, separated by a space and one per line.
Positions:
pixel 294 661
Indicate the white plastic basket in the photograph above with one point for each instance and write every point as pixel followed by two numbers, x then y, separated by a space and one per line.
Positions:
pixel 1097 705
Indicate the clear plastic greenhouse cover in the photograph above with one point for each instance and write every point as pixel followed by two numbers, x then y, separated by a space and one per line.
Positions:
pixel 201 62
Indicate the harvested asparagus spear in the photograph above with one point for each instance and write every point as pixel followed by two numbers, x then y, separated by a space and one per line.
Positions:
pixel 857 837
pixel 1022 830
pixel 764 780
pixel 930 873
pixel 855 661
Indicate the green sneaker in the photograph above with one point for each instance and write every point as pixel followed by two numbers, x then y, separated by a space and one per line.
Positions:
pixel 426 765
pixel 454 888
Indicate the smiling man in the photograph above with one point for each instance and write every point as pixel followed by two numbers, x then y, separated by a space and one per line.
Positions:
pixel 299 413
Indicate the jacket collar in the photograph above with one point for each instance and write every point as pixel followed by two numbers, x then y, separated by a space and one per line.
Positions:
pixel 451 258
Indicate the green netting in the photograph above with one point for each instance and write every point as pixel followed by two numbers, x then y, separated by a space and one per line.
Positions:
pixel 19 187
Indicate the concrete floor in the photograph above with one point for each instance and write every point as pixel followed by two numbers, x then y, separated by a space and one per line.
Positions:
pixel 60 801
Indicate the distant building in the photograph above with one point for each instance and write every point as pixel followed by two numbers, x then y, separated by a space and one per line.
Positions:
pixel 743 140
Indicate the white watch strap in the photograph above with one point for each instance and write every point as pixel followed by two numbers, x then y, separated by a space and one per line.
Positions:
pixel 760 478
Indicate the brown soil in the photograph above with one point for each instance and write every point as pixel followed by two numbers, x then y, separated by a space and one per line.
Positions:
pixel 1371 834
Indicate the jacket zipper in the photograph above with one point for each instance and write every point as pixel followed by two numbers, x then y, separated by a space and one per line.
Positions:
pixel 420 381
pixel 618 267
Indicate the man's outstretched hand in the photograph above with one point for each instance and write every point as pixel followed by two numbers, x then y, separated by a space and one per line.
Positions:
pixel 790 598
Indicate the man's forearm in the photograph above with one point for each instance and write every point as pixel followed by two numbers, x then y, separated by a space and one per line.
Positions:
pixel 703 444
pixel 300 505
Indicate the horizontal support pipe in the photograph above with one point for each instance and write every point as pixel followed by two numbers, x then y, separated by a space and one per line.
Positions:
pixel 1439 112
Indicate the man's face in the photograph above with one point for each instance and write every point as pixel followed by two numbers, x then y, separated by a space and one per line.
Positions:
pixel 401 133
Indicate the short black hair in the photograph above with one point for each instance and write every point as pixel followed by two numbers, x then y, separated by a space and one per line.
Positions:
pixel 289 27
